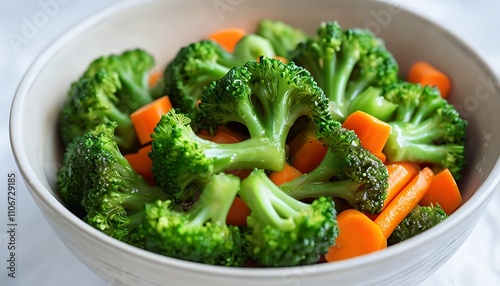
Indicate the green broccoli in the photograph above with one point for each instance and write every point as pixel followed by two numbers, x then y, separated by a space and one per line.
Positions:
pixel 198 64
pixel 348 171
pixel 345 63
pixel 267 97
pixel 181 158
pixel 97 176
pixel 110 90
pixel 371 101
pixel 92 101
pixel 282 36
pixel 426 128
pixel 420 219
pixel 133 68
pixel 68 184
pixel 201 233
pixel 283 231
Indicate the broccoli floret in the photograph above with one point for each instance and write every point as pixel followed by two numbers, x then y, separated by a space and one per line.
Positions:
pixel 348 171
pixel 426 128
pixel 282 36
pixel 283 231
pixel 68 184
pixel 201 233
pixel 266 97
pixel 198 64
pixel 111 89
pixel 420 219
pixel 180 157
pixel 345 63
pixel 97 176
pixel 93 101
pixel 133 68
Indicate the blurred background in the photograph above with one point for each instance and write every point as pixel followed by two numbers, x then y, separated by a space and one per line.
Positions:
pixel 28 26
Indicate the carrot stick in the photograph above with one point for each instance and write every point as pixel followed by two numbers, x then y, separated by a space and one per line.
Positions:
pixel 228 37
pixel 443 191
pixel 426 74
pixel 400 173
pixel 287 174
pixel 147 117
pixel 372 132
pixel 306 152
pixel 404 202
pixel 238 213
pixel 141 163
pixel 358 235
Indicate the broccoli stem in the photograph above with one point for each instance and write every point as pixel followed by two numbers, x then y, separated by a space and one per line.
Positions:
pixel 271 205
pixel 248 154
pixel 357 86
pixel 247 115
pixel 316 71
pixel 425 109
pixel 401 150
pixel 340 80
pixel 213 71
pixel 336 189
pixel 372 102
pixel 215 201
pixel 425 132
pixel 329 69
pixel 322 173
pixel 140 96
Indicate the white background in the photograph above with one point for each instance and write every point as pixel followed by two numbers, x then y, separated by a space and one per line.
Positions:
pixel 41 258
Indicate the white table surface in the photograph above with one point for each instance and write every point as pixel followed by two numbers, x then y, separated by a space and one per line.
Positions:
pixel 43 260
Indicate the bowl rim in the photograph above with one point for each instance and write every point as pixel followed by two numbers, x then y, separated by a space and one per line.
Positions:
pixel 43 196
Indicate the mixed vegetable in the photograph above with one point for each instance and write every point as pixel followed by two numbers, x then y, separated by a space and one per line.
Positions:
pixel 268 148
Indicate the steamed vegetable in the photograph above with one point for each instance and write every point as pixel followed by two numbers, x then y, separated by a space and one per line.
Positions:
pixel 270 147
pixel 109 90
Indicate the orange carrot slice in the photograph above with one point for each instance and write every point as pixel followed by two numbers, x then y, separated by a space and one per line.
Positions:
pixel 443 191
pixel 238 213
pixel 228 37
pixel 358 235
pixel 154 76
pixel 141 163
pixel 147 117
pixel 306 152
pixel 287 174
pixel 426 74
pixel 372 132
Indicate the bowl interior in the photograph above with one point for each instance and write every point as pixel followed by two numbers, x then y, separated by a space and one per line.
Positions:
pixel 162 27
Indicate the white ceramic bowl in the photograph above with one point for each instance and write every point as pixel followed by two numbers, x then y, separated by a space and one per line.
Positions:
pixel 161 27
